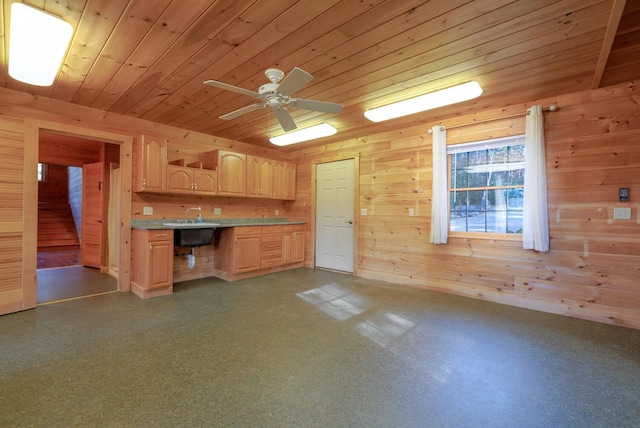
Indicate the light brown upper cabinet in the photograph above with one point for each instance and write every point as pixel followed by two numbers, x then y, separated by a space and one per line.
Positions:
pixel 259 177
pixel 231 169
pixel 284 180
pixel 182 179
pixel 150 164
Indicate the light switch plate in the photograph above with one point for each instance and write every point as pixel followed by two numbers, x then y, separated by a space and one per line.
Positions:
pixel 217 211
pixel 411 212
pixel 363 212
pixel 147 210
pixel 622 213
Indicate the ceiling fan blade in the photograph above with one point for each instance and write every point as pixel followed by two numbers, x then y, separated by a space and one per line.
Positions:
pixel 316 106
pixel 285 119
pixel 295 80
pixel 232 88
pixel 240 112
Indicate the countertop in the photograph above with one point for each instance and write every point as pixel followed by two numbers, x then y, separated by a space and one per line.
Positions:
pixel 222 222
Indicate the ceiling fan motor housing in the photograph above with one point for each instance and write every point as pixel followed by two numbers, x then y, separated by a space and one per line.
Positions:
pixel 269 93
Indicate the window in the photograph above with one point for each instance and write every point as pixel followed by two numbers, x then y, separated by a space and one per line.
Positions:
pixel 486 186
pixel 42 172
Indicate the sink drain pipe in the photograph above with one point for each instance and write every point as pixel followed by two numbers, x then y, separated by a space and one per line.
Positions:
pixel 191 258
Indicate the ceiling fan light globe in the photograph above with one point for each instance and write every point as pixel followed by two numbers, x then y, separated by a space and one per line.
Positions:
pixel 273 102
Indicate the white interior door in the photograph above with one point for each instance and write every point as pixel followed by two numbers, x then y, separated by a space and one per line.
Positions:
pixel 335 200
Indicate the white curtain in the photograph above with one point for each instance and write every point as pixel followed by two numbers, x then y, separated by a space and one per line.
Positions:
pixel 439 202
pixel 535 227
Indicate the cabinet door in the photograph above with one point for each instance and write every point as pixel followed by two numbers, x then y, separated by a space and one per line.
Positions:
pixel 179 179
pixel 253 176
pixel 231 173
pixel 205 182
pixel 266 178
pixel 287 248
pixel 293 243
pixel 151 164
pixel 247 253
pixel 290 181
pixel 160 264
pixel 298 247
pixel 278 179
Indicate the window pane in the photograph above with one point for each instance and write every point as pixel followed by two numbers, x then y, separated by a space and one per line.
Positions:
pixel 458 174
pixel 497 172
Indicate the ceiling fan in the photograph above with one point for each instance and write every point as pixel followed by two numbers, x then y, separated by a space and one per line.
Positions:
pixel 277 95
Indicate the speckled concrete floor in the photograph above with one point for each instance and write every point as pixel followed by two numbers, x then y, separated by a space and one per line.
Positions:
pixel 311 348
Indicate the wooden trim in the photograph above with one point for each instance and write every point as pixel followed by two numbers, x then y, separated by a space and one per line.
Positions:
pixel 607 42
pixel 356 205
pixel 33 128
pixel 30 216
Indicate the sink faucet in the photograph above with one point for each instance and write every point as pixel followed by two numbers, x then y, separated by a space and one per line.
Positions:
pixel 186 213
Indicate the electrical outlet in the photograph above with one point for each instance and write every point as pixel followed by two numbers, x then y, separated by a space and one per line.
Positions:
pixel 410 212
pixel 622 213
pixel 363 212
pixel 147 211
pixel 217 211
pixel 277 212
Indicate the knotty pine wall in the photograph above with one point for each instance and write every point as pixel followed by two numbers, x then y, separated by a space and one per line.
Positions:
pixel 593 268
pixel 21 116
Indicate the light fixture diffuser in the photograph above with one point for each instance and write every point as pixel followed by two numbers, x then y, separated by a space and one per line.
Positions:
pixel 37 44
pixel 306 134
pixel 443 97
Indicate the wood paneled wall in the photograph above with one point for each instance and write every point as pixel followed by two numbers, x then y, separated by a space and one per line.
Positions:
pixel 55 188
pixel 592 149
pixel 12 159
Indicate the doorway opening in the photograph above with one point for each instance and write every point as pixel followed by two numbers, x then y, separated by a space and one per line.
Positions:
pixel 78 195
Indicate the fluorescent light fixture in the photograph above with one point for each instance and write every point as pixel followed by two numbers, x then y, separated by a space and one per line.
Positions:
pixel 443 97
pixel 306 134
pixel 37 44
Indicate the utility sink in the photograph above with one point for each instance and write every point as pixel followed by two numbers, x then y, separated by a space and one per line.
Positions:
pixel 204 225
pixel 192 234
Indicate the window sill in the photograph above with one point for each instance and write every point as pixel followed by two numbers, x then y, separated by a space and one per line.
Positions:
pixel 489 236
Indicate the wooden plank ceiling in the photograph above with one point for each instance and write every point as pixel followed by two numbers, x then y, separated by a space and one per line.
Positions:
pixel 148 58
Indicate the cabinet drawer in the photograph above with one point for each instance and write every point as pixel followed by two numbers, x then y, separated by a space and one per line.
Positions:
pixel 160 235
pixel 266 246
pixel 246 231
pixel 270 263
pixel 272 237
pixel 294 228
pixel 271 254
pixel 271 229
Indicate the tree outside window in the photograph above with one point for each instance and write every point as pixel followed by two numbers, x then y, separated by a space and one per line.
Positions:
pixel 486 186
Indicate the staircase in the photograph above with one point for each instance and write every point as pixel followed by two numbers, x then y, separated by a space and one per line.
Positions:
pixel 56 229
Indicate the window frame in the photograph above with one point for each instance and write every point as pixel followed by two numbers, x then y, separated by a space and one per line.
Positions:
pixel 475 146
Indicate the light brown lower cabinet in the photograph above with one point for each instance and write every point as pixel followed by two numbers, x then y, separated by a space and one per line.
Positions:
pixel 293 243
pixel 271 246
pixel 238 250
pixel 246 251
pixel 152 262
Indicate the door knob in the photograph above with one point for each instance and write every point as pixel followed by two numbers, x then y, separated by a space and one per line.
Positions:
pixel 349 221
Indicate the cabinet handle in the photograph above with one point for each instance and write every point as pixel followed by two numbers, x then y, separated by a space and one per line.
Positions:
pixel 236 241
pixel 160 235
pixel 195 187
pixel 150 249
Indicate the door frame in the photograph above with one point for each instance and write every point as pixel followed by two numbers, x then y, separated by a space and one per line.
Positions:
pixel 356 206
pixel 30 202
